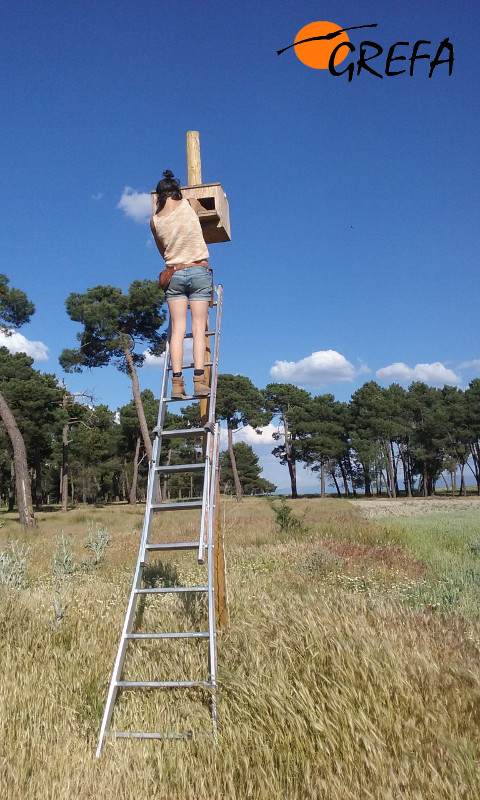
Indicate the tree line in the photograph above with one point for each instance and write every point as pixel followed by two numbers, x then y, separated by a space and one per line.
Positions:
pixel 58 447
pixel 385 439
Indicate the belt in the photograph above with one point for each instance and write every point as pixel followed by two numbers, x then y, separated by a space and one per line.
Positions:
pixel 177 267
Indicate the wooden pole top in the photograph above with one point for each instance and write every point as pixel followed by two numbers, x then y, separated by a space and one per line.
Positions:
pixel 194 164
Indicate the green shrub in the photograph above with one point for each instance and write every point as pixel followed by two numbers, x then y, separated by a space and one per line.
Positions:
pixel 13 560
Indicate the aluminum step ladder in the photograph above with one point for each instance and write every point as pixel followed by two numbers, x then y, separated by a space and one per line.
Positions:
pixel 204 545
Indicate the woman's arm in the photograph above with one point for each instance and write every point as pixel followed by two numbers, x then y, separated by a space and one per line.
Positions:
pixel 160 246
pixel 196 205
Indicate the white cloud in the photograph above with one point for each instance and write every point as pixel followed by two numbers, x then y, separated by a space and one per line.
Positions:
pixel 321 367
pixel 153 361
pixel 475 364
pixel 436 374
pixel 249 435
pixel 136 205
pixel 17 343
pixel 97 196
pixel 157 361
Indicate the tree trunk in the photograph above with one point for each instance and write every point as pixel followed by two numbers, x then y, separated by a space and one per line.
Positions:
pixel 133 489
pixel 292 471
pixel 64 484
pixel 38 483
pixel 344 477
pixel 2 480
pixel 389 469
pixel 350 473
pixel 475 451
pixel 236 479
pixel 22 478
pixel 394 469
pixel 11 488
pixel 367 480
pixel 322 479
pixel 138 402
pixel 292 467
pixel 407 478
pixel 125 481
pixel 337 487
pixel 116 487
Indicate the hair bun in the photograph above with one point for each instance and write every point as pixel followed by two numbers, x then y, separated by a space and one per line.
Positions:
pixel 168 175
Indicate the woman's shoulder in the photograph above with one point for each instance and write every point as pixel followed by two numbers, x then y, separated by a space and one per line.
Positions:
pixel 169 208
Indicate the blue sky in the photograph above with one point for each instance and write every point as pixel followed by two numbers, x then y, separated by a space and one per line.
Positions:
pixel 353 205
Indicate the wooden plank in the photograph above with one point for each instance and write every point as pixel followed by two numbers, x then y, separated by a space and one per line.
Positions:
pixel 220 572
pixel 194 164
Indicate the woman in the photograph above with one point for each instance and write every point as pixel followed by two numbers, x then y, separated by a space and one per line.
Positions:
pixel 178 235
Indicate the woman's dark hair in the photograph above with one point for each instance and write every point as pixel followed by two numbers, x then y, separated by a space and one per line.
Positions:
pixel 167 187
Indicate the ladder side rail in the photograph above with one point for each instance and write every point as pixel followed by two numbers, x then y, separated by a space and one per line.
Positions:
pixel 137 579
pixel 215 354
pixel 211 585
pixel 211 546
pixel 209 448
pixel 205 499
pixel 164 386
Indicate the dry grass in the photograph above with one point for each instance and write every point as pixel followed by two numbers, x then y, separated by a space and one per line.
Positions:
pixel 332 686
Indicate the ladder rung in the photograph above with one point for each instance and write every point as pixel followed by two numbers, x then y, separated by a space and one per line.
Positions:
pixel 207 333
pixel 152 548
pixel 173 589
pixel 189 635
pixel 165 684
pixel 183 432
pixel 199 467
pixel 132 735
pixel 180 506
pixel 184 399
pixel 192 365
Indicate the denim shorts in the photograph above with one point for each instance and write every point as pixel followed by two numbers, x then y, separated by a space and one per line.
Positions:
pixel 194 283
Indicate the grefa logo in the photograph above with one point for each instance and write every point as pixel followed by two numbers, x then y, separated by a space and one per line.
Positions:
pixel 325 45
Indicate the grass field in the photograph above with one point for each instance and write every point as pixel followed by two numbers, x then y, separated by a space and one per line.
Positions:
pixel 350 669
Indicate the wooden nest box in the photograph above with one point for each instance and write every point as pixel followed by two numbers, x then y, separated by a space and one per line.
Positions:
pixel 215 219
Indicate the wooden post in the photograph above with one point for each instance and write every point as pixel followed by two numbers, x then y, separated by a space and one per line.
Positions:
pixel 194 164
pixel 194 173
pixel 194 177
pixel 220 571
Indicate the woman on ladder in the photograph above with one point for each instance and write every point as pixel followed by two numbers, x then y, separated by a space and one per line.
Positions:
pixel 179 238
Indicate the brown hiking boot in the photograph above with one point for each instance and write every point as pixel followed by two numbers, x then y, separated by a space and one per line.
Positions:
pixel 178 387
pixel 201 388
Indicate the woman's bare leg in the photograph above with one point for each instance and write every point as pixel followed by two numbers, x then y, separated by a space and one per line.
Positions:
pixel 199 311
pixel 178 317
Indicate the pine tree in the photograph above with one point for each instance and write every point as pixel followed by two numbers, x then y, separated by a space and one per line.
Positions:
pixel 288 402
pixel 15 310
pixel 113 324
pixel 239 403
pixel 249 473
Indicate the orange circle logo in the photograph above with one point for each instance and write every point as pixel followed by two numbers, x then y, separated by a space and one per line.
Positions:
pixel 315 43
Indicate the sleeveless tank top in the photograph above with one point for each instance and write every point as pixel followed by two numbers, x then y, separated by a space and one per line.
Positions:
pixel 181 235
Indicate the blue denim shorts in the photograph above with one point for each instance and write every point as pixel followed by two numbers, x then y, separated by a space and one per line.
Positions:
pixel 194 283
